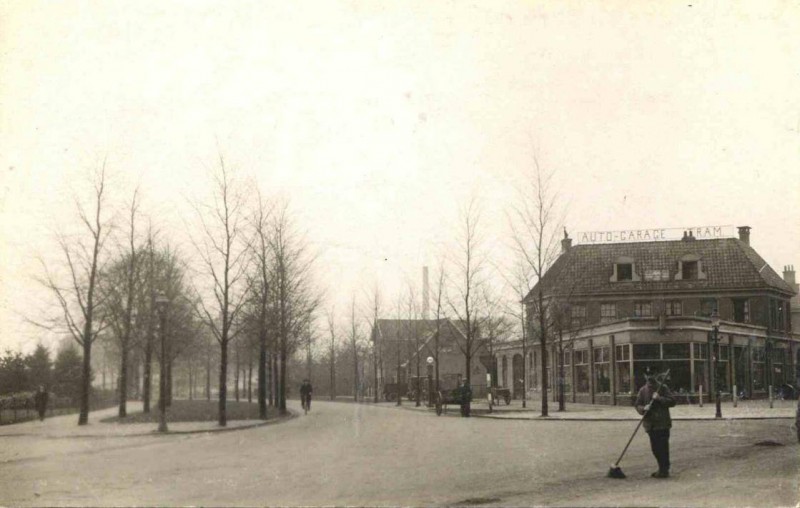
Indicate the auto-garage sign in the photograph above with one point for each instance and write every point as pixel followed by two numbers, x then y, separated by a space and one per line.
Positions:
pixel 654 234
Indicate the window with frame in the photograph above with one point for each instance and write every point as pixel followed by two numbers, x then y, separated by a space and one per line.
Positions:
pixel 602 372
pixel 741 310
pixel 608 310
pixel 578 311
pixel 689 270
pixel 578 315
pixel 673 308
pixel 759 368
pixel 643 309
pixel 623 368
pixel 624 271
pixel 581 360
pixel 707 307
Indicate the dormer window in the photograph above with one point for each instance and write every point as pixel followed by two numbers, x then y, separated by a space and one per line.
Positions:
pixel 689 270
pixel 690 267
pixel 624 270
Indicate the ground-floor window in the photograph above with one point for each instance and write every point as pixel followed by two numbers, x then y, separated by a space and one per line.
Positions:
pixel 723 369
pixel 741 364
pixel 759 375
pixel 700 376
pixel 623 368
pixel 602 370
pixel 581 360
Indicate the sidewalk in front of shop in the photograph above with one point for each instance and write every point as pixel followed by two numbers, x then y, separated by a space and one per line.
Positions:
pixel 745 410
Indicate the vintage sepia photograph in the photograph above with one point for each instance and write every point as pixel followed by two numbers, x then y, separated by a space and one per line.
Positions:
pixel 424 253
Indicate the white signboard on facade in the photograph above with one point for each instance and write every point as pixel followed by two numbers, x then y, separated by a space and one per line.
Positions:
pixel 654 235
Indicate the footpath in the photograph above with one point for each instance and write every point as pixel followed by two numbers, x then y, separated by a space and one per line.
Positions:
pixel 65 426
pixel 745 410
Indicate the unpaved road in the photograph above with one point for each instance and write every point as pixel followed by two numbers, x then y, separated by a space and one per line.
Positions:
pixel 345 454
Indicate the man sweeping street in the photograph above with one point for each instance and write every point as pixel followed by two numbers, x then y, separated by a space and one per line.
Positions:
pixel 653 401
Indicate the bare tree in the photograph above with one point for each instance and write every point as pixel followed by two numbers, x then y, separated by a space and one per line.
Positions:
pixel 415 327
pixel 354 338
pixel 330 316
pixel 261 293
pixel 120 287
pixel 295 297
pixel 77 299
pixel 377 359
pixel 469 266
pixel 223 253
pixel 440 314
pixel 535 224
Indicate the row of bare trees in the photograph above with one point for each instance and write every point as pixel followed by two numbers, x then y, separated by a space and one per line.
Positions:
pixel 249 275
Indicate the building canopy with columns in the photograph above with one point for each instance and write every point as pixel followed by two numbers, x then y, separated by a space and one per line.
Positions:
pixel 615 311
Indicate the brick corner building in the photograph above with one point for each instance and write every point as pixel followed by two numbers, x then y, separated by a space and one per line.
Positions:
pixel 615 310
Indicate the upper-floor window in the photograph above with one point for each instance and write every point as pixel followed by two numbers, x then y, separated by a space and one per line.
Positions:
pixel 707 307
pixel 578 311
pixel 690 267
pixel 673 308
pixel 642 309
pixel 578 315
pixel 689 270
pixel 741 310
pixel 608 310
pixel 624 270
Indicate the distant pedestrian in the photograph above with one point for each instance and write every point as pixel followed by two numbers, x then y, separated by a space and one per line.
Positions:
pixel 40 401
pixel 305 395
pixel 466 398
pixel 654 401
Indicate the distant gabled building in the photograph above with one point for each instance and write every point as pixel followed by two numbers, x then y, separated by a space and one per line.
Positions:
pixel 624 308
pixel 398 351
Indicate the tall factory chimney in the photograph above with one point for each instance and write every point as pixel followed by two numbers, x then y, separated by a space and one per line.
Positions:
pixel 425 293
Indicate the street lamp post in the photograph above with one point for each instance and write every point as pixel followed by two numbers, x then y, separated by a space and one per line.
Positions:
pixel 430 381
pixel 161 303
pixel 715 354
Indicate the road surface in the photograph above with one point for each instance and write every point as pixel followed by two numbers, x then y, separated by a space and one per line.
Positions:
pixel 347 454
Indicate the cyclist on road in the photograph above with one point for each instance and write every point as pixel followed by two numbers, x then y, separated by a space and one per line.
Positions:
pixel 305 395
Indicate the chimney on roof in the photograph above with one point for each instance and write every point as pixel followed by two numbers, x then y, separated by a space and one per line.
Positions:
pixel 425 293
pixel 566 243
pixel 788 275
pixel 744 234
pixel 688 236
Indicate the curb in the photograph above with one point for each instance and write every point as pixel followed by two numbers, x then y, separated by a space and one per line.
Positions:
pixel 155 433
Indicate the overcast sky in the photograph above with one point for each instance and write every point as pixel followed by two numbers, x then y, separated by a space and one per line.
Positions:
pixel 379 120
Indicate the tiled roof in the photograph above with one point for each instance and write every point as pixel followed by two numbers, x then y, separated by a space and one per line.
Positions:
pixel 728 263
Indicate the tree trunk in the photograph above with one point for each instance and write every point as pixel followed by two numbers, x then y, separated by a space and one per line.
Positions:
pixel 543 346
pixel 169 384
pixel 148 373
pixel 236 377
pixel 223 382
pixel 250 378
pixel 282 379
pixel 262 379
pixel 355 373
pixel 208 374
pixel 86 380
pixel 419 380
pixel 333 374
pixel 123 382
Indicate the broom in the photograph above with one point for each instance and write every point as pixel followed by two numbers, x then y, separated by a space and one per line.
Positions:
pixel 615 471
